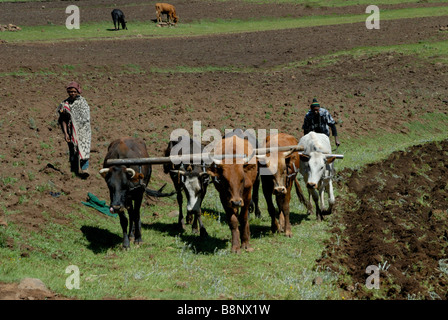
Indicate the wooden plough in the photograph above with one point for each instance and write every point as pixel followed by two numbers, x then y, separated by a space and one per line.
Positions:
pixel 198 158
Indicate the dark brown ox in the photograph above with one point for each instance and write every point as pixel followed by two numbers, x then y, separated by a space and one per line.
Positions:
pixel 128 184
pixel 277 178
pixel 234 179
pixel 169 10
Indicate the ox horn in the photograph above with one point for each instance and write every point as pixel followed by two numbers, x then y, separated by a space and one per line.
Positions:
pixel 130 171
pixel 337 156
pixel 263 159
pixel 249 158
pixel 181 172
pixel 103 172
pixel 288 153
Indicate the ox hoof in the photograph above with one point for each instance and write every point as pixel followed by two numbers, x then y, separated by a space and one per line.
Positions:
pixel 236 250
pixel 203 233
pixel 181 228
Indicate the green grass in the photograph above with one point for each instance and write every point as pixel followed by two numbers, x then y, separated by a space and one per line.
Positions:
pixel 341 3
pixel 169 265
pixel 101 30
pixel 434 52
pixel 379 145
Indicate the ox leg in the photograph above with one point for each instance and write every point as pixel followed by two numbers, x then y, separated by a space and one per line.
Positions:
pixel 181 220
pixel 233 225
pixel 244 227
pixel 267 187
pixel 302 198
pixel 286 223
pixel 124 227
pixel 202 230
pixel 315 194
pixel 280 199
pixel 243 219
pixel 255 196
pixel 136 220
pixel 331 199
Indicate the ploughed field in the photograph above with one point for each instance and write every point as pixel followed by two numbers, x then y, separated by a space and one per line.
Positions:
pixel 391 212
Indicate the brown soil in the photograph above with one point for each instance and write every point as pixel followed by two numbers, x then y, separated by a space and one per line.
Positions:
pixel 379 92
pixel 398 219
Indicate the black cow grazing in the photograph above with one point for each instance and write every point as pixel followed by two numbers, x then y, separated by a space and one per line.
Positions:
pixel 247 135
pixel 193 179
pixel 128 184
pixel 118 18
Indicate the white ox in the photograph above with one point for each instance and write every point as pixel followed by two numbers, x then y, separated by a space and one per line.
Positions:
pixel 316 167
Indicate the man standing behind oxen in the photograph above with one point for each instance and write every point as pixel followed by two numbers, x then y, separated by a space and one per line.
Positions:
pixel 319 120
pixel 74 119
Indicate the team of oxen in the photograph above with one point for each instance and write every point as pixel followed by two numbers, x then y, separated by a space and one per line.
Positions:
pixel 236 167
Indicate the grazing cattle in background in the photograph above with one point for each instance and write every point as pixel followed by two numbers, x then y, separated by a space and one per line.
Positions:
pixel 193 179
pixel 118 18
pixel 169 10
pixel 317 169
pixel 234 179
pixel 283 167
pixel 128 184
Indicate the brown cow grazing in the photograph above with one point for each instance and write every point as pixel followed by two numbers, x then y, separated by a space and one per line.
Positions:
pixel 169 10
pixel 234 178
pixel 128 184
pixel 283 168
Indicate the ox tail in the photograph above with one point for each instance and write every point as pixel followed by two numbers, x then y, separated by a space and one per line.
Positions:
pixel 300 194
pixel 158 193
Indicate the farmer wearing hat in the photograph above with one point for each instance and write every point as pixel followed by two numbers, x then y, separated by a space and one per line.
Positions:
pixel 319 120
pixel 74 119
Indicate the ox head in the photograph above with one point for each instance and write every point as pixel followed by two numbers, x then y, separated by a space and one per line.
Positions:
pixel 317 167
pixel 119 179
pixel 280 166
pixel 195 185
pixel 231 180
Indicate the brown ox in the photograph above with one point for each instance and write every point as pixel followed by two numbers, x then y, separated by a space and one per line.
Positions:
pixel 169 10
pixel 282 168
pixel 234 178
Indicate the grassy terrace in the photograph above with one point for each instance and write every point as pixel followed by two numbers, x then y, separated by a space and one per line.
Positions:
pixel 139 29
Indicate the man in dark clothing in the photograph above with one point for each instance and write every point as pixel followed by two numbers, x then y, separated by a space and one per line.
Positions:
pixel 319 120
